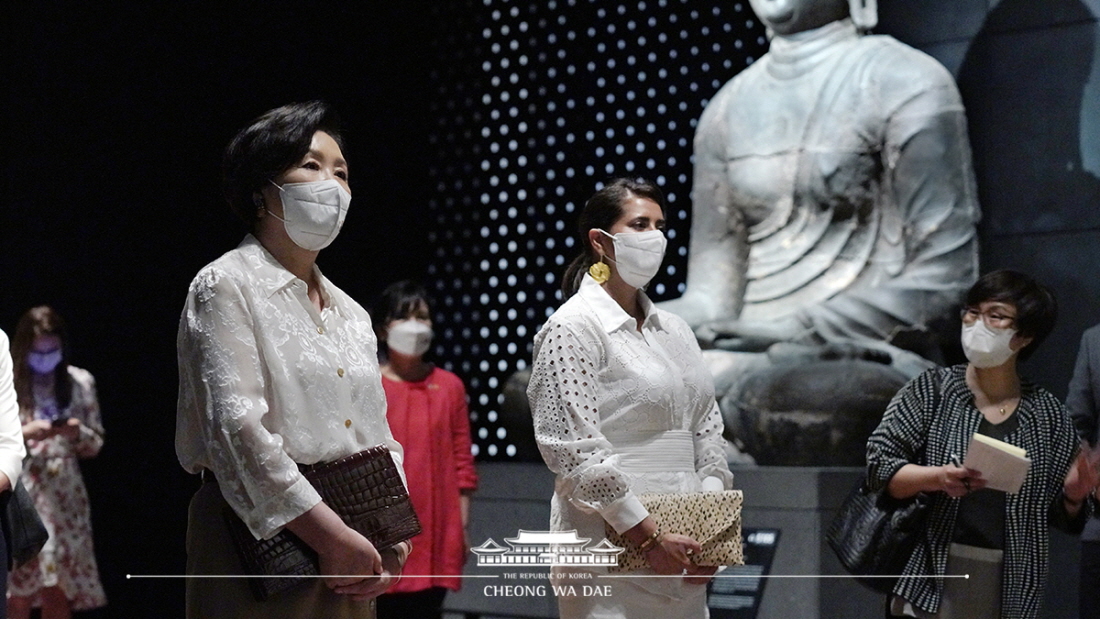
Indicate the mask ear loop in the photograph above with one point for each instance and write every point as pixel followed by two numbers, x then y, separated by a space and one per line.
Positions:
pixel 259 200
pixel 274 215
pixel 599 270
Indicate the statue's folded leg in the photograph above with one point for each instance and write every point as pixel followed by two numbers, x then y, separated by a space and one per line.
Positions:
pixel 815 413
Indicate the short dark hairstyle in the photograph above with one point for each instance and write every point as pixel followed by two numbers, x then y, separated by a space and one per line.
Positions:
pixel 1036 307
pixel 269 146
pixel 602 210
pixel 397 301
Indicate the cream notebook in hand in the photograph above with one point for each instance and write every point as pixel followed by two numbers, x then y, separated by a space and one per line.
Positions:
pixel 1003 466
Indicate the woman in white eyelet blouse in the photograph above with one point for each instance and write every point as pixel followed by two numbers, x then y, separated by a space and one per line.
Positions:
pixel 623 405
pixel 278 368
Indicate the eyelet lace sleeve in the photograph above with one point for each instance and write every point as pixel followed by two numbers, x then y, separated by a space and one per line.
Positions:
pixel 563 392
pixel 710 452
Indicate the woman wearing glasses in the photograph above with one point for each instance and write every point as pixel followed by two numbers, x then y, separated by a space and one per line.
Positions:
pixel 998 539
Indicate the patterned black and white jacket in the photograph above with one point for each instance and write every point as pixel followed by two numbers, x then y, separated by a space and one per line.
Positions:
pixel 933 417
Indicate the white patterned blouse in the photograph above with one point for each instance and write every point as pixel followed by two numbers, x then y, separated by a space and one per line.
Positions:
pixel 267 382
pixel 620 411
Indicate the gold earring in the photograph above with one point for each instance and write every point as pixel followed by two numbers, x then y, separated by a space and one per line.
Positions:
pixel 600 271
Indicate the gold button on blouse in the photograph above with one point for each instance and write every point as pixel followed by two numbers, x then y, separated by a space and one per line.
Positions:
pixel 340 372
pixel 321 330
pixel 347 423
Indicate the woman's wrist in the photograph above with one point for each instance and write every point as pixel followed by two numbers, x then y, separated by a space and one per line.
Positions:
pixel 401 550
pixel 941 477
pixel 650 542
pixel 642 531
pixel 398 551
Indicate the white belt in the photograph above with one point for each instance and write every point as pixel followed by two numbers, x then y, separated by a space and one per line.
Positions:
pixel 672 451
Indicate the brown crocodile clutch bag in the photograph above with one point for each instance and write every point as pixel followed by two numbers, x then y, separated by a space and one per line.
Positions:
pixel 364 489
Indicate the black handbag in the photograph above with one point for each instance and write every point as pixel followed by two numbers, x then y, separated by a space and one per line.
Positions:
pixel 23 529
pixel 364 489
pixel 874 534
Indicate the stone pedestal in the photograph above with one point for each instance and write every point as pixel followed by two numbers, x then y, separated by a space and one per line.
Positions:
pixel 814 413
pixel 510 496
pixel 801 501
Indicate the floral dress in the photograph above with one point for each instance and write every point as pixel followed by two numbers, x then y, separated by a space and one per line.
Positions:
pixel 51 474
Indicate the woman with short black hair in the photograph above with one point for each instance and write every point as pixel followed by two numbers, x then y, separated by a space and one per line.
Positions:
pixel 1036 308
pixel 270 146
pixel 998 539
pixel 278 371
pixel 428 414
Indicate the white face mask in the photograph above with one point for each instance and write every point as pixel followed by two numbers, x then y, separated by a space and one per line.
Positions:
pixel 638 255
pixel 313 212
pixel 985 347
pixel 409 337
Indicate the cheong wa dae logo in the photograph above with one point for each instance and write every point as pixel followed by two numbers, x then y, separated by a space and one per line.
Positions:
pixel 547 548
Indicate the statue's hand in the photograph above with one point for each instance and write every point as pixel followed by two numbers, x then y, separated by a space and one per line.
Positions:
pixel 851 350
pixel 789 352
pixel 748 335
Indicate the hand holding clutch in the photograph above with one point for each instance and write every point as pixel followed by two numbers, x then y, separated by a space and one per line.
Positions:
pixel 712 519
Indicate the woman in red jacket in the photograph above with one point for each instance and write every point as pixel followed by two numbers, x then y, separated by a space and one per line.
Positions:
pixel 427 412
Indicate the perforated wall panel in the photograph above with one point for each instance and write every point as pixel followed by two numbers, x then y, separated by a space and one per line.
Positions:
pixel 536 105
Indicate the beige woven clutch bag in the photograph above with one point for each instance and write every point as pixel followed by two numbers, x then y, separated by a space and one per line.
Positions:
pixel 711 518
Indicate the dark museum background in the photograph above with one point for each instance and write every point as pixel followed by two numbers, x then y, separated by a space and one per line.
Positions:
pixel 475 130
